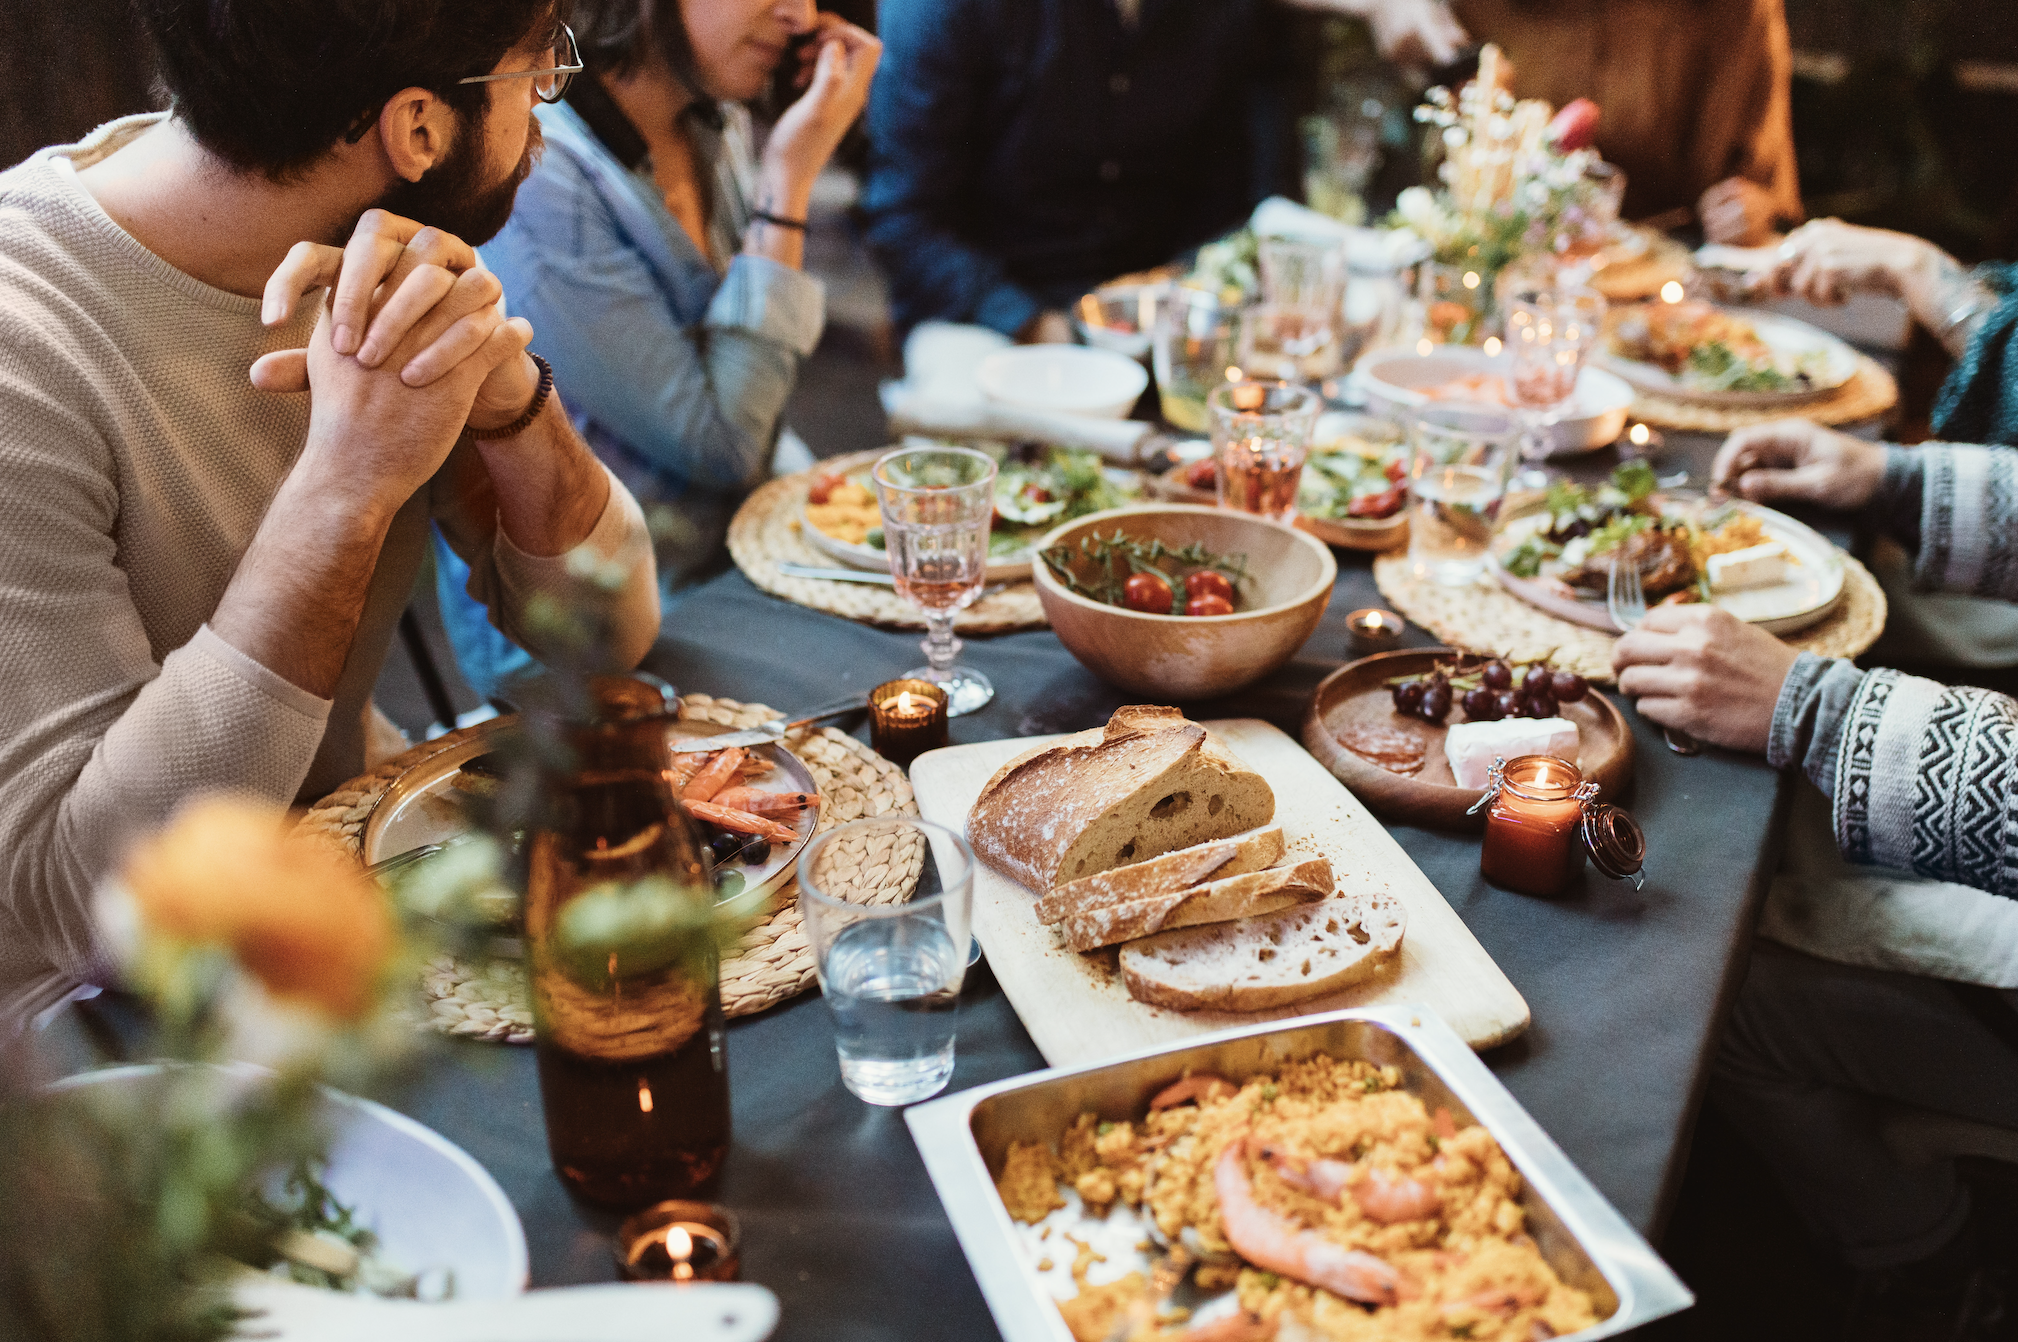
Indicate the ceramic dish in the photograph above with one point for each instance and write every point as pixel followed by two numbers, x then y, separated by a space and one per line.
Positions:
pixel 1398 381
pixel 421 806
pixel 1353 702
pixel 1811 591
pixel 1025 1270
pixel 1834 363
pixel 433 1208
pixel 1176 658
pixel 1072 379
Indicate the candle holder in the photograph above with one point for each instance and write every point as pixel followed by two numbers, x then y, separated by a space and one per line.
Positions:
pixel 1543 819
pixel 680 1241
pixel 1373 630
pixel 906 719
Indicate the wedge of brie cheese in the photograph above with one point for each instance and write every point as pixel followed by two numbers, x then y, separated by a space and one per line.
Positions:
pixel 1755 566
pixel 1471 747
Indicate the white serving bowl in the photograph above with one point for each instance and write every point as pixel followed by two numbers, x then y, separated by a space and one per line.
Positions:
pixel 1068 378
pixel 1395 382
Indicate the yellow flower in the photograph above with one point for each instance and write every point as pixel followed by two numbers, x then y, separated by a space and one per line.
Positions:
pixel 309 924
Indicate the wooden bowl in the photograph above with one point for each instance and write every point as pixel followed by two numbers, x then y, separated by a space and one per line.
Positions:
pixel 1171 658
pixel 1356 695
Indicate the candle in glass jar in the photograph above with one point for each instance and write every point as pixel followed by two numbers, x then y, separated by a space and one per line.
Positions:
pixel 679 1241
pixel 1534 841
pixel 906 719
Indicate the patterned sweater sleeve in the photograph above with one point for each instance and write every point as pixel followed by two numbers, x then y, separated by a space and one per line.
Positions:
pixel 1921 776
pixel 1957 507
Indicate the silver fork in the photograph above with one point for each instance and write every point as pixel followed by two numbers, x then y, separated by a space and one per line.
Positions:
pixel 1626 603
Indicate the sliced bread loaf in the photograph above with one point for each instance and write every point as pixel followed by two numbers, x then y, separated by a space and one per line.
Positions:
pixel 1215 860
pixel 1266 961
pixel 1148 782
pixel 1217 902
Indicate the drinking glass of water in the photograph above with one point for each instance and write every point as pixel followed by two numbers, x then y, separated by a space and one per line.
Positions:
pixel 888 905
pixel 938 504
pixel 1196 347
pixel 1459 458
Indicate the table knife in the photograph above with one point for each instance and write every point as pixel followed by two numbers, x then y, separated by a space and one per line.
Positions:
pixel 767 733
pixel 791 570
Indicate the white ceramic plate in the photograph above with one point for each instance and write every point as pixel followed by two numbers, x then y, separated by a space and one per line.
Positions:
pixel 1813 587
pixel 1071 379
pixel 1785 336
pixel 1397 381
pixel 431 1205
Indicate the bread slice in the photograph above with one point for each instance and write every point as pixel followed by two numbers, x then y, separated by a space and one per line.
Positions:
pixel 1214 860
pixel 1145 784
pixel 1266 961
pixel 1220 901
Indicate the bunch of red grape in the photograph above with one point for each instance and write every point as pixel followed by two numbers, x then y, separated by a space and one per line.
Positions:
pixel 1488 692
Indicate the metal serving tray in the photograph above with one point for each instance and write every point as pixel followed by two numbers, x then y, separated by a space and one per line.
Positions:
pixel 964 1139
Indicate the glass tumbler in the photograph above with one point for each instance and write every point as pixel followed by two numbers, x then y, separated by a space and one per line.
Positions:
pixel 938 504
pixel 888 906
pixel 1197 347
pixel 1459 458
pixel 1294 334
pixel 1260 437
pixel 1550 330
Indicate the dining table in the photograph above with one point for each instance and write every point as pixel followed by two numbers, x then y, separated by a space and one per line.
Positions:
pixel 1628 987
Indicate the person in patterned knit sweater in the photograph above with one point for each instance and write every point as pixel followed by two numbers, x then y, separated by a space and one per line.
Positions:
pixel 1887 977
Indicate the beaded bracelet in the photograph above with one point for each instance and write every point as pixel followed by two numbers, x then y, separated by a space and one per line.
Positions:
pixel 519 425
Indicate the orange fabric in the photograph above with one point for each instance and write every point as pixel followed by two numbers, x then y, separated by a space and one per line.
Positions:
pixel 1693 91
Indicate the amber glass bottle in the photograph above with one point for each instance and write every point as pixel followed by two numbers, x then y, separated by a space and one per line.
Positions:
pixel 626 994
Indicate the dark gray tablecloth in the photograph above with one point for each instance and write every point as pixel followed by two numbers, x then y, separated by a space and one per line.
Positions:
pixel 1627 987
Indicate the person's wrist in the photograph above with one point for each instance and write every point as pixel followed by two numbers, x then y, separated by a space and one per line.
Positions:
pixel 325 484
pixel 512 398
pixel 784 190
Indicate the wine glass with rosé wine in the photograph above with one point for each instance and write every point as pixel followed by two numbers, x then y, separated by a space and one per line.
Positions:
pixel 1550 329
pixel 938 504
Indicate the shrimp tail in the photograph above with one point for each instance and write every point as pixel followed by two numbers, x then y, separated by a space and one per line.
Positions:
pixel 1276 1244
pixel 1391 1199
pixel 758 802
pixel 715 776
pixel 740 822
pixel 1197 1087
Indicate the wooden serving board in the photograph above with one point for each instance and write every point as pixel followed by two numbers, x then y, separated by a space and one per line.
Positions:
pixel 1075 1006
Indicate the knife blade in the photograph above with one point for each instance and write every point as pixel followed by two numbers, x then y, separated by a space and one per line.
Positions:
pixel 766 733
pixel 791 570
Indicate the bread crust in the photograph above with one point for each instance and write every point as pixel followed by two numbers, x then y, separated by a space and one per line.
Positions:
pixel 1216 902
pixel 1218 967
pixel 1213 860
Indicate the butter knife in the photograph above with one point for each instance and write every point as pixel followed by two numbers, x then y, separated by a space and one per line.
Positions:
pixel 791 570
pixel 766 733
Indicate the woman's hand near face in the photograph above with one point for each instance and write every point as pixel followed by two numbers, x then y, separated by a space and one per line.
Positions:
pixel 1703 670
pixel 811 128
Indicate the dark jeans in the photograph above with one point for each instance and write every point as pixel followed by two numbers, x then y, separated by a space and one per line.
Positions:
pixel 1814 1053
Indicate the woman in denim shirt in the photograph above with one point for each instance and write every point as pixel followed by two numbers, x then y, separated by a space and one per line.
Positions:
pixel 659 259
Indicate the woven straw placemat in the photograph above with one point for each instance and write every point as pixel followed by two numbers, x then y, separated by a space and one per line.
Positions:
pixel 766 530
pixel 1870 393
pixel 1485 617
pixel 1642 277
pixel 774 961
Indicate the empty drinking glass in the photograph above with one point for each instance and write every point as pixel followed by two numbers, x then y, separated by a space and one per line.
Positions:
pixel 1197 348
pixel 1260 437
pixel 1459 458
pixel 888 906
pixel 938 504
pixel 1550 328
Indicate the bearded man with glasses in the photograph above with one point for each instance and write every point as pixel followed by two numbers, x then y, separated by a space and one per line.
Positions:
pixel 247 356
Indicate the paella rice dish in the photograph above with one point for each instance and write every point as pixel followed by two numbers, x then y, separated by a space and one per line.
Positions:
pixel 1333 1202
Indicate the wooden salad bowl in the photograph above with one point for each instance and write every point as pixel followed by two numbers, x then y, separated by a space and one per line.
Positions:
pixel 1355 699
pixel 1174 658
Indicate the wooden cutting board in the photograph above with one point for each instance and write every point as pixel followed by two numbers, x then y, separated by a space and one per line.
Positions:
pixel 1075 1006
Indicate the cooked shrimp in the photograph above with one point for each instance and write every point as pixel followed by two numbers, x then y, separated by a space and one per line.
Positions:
pixel 1322 1178
pixel 759 802
pixel 1199 1086
pixel 1443 1123
pixel 715 776
pixel 1391 1198
pixel 1277 1244
pixel 740 822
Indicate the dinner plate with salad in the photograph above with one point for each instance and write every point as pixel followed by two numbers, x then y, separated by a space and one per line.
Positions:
pixel 1692 351
pixel 1352 493
pixel 1556 551
pixel 1033 494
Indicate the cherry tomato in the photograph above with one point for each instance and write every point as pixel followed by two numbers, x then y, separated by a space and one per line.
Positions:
pixel 1147 593
pixel 1209 604
pixel 1384 504
pixel 1209 582
pixel 1039 494
pixel 1202 474
pixel 1397 471
pixel 823 488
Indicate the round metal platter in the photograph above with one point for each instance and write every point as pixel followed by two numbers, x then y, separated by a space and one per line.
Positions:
pixel 422 806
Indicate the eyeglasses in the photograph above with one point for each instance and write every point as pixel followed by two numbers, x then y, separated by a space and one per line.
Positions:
pixel 550 83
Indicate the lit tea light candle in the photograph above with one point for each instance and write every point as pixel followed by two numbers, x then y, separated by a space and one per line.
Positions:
pixel 679 1241
pixel 1373 630
pixel 906 719
pixel 1544 821
pixel 1672 291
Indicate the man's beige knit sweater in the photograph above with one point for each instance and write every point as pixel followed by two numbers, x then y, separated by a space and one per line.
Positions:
pixel 136 462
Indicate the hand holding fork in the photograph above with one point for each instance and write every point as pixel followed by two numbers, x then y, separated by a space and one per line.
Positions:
pixel 1626 601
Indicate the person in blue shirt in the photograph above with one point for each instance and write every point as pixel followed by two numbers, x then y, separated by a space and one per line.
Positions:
pixel 659 257
pixel 1024 151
